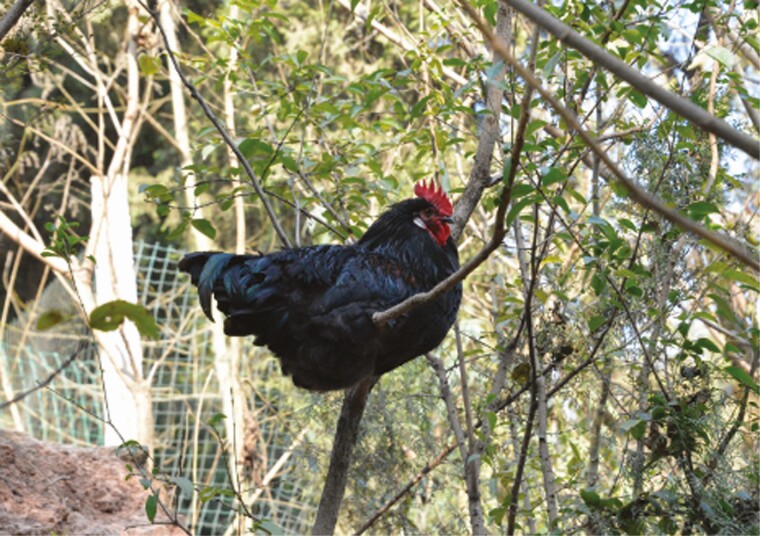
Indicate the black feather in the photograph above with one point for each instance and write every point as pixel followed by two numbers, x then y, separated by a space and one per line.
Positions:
pixel 313 306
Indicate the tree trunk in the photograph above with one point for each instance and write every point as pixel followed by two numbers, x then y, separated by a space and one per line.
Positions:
pixel 128 400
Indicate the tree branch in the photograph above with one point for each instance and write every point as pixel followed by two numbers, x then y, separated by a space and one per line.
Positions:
pixel 12 16
pixel 30 245
pixel 683 107
pixel 46 382
pixel 636 192
pixel 491 132
pixel 403 491
pixel 346 434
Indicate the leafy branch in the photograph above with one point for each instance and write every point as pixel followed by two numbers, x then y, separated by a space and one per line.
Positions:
pixel 636 192
pixel 222 131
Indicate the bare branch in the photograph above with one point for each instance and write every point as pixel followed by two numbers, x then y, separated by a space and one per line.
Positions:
pixel 47 380
pixel 435 462
pixel 12 16
pixel 30 245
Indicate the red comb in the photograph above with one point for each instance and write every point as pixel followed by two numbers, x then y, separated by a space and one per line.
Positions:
pixel 435 196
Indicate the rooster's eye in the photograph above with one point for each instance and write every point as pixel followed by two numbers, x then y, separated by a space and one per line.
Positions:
pixel 427 213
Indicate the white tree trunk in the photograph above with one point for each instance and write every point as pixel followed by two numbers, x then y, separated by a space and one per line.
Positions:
pixel 128 399
pixel 121 350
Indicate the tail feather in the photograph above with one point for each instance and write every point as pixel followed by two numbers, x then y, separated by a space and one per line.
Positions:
pixel 204 269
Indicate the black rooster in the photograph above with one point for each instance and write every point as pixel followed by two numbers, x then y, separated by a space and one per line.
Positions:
pixel 313 306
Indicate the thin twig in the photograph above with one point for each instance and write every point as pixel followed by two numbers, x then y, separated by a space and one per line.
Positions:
pixel 403 491
pixel 47 381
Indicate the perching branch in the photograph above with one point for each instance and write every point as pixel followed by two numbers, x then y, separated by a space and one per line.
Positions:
pixel 222 132
pixel 636 192
pixel 683 107
pixel 346 434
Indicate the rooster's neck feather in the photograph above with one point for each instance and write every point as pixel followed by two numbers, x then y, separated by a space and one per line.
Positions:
pixel 396 235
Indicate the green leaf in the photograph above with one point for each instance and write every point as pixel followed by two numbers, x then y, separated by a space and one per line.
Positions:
pixel 50 318
pixel 517 207
pixel 721 55
pixel 419 108
pixel 595 322
pixel 184 484
pixel 497 514
pixel 491 416
pixel 192 16
pixel 216 419
pixel 560 202
pixel 552 259
pixel 598 283
pixel 553 176
pixel 636 427
pixel 604 226
pixel 111 315
pixel 625 272
pixel 740 375
pixel 702 342
pixel 633 289
pixel 522 189
pixel 742 277
pixel 267 526
pixel 591 498
pixel 148 64
pixel 638 98
pixel 628 224
pixel 207 149
pixel 700 209
pixel 205 227
pixel 151 506
pixel 489 12
pixel 207 494
pixel 253 147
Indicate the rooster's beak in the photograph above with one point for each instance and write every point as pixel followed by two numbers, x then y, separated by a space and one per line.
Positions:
pixel 447 219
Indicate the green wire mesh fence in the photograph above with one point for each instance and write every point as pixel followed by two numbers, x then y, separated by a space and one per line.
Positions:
pixel 185 397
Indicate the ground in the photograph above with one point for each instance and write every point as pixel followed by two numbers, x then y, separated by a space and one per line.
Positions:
pixel 61 489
